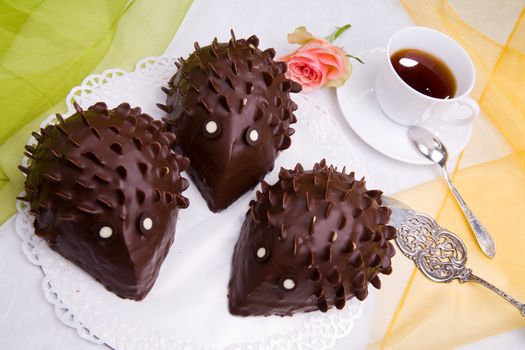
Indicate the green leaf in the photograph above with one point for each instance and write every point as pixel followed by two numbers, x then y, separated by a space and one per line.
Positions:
pixel 337 33
pixel 355 58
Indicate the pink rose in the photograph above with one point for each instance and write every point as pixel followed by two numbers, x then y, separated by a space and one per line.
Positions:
pixel 316 63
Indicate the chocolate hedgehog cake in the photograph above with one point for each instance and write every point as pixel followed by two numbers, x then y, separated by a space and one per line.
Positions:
pixel 105 189
pixel 309 242
pixel 229 105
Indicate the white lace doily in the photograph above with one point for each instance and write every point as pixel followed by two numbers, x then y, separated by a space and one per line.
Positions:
pixel 187 307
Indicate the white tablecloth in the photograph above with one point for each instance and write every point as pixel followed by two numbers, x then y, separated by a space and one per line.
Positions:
pixel 27 321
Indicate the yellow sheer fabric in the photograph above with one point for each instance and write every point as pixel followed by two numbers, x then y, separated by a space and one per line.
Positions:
pixel 437 316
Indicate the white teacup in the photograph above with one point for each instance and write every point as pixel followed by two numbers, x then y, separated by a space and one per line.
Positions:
pixel 407 106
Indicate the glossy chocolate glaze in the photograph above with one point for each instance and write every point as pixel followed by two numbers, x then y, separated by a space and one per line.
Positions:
pixel 238 89
pixel 310 242
pixel 107 172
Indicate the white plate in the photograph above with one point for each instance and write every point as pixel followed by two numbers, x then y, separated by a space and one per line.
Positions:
pixel 187 307
pixel 360 108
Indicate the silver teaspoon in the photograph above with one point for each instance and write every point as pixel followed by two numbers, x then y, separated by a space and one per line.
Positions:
pixel 437 252
pixel 432 148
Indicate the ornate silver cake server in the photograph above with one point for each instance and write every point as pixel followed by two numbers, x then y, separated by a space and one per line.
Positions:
pixel 438 253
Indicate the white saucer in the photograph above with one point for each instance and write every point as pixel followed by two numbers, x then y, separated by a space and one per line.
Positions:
pixel 357 99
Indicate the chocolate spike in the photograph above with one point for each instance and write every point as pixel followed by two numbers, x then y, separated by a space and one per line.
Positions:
pixel 235 70
pixel 204 105
pixel 249 87
pixel 214 71
pixel 25 170
pixel 186 76
pixel 164 108
pixel 376 282
pixel 274 120
pixel 196 46
pixel 315 276
pixel 270 52
pixel 59 118
pixel 273 198
pixel 390 232
pixel 105 202
pixel 268 79
pixel 181 201
pixel 73 162
pixel 87 210
pixel 212 85
pixel 359 280
pixel 75 143
pixel 286 86
pixel 96 133
pixel 77 107
pixel 295 87
pixel 342 222
pixel 253 40
pixel 285 200
pixel 350 246
pixel 253 215
pixel 229 82
pixel 282 232
pixel 249 63
pixel 333 237
pixel 328 253
pixel 361 293
pixel 334 277
pixel 30 148
pixel 36 136
pixel 374 194
pixel 328 209
pixel 374 260
pixel 200 63
pixel 340 293
pixel 242 103
pixel 310 259
pixel 295 245
pixel 356 258
pixel 322 305
pixel 213 51
pixel 366 235
pixel 93 157
pixel 29 155
pixel 101 178
pixel 312 225
pixel 223 100
pixel 295 184
pixel 308 204
pixel 265 186
pixel 49 177
pixel 357 212
pixel 178 65
pixel 83 184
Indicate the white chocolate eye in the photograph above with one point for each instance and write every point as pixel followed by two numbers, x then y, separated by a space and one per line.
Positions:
pixel 211 127
pixel 147 223
pixel 261 252
pixel 105 232
pixel 288 284
pixel 254 135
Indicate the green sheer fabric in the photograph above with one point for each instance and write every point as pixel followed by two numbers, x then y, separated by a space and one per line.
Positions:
pixel 49 46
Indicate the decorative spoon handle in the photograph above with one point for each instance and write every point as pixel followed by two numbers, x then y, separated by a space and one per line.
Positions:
pixel 483 237
pixel 468 276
